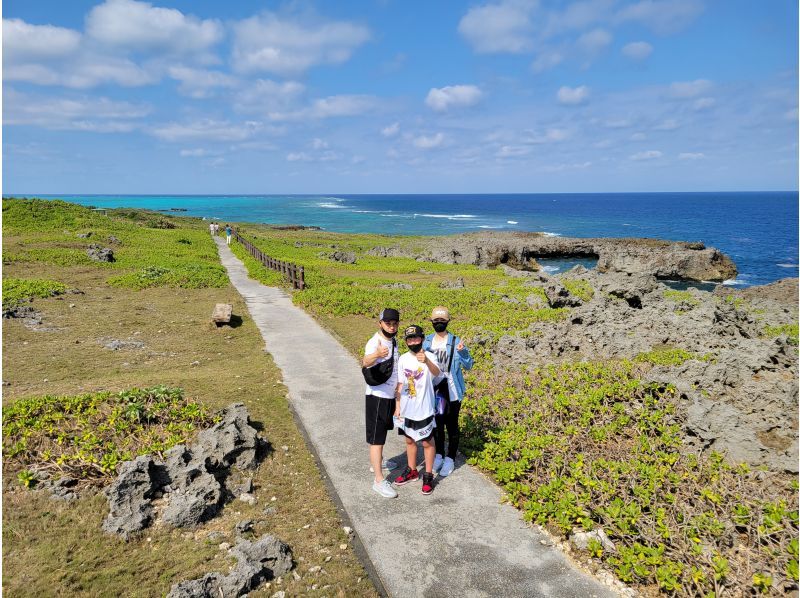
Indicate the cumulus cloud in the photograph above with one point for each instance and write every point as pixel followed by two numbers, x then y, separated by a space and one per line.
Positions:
pixel 23 42
pixel 595 41
pixel 318 143
pixel 547 60
pixel 703 104
pixel 453 96
pixel 269 43
pixel 212 130
pixel 573 96
pixel 662 16
pixel 391 130
pixel 637 50
pixel 266 96
pixel 503 27
pixel 428 142
pixel 691 156
pixel 648 155
pixel 689 89
pixel 330 107
pixel 142 27
pixel 200 83
pixel 100 115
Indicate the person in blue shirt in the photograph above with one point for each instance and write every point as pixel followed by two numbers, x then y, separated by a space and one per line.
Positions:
pixel 453 358
pixel 228 233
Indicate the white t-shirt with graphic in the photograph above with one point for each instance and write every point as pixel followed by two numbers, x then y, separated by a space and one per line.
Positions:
pixel 440 347
pixel 416 395
pixel 385 390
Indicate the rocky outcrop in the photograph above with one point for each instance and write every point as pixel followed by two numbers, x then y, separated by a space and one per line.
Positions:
pixel 740 392
pixel 189 486
pixel 663 259
pixel 343 257
pixel 100 254
pixel 255 562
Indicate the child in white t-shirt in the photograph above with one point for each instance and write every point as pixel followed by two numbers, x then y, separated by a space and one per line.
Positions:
pixel 415 413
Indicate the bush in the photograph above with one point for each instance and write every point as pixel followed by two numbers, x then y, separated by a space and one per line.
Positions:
pixel 19 290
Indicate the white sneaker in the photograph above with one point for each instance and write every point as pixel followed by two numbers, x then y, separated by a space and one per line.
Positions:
pixel 386 464
pixel 384 488
pixel 437 463
pixel 447 467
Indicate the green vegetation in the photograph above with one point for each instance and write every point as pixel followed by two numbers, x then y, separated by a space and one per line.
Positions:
pixel 58 548
pixel 19 290
pixel 589 445
pixel 681 297
pixel 668 356
pixel 580 288
pixel 788 330
pixel 88 436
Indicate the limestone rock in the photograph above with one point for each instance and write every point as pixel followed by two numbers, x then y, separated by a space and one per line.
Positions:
pixel 100 254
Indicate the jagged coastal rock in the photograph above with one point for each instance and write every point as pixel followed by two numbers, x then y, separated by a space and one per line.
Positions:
pixel 190 484
pixel 662 259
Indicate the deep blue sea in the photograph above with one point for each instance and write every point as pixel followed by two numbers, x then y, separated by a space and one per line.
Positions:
pixel 759 230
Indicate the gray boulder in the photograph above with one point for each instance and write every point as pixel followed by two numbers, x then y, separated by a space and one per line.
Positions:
pixel 130 508
pixel 559 296
pixel 232 441
pixel 100 254
pixel 194 494
pixel 255 562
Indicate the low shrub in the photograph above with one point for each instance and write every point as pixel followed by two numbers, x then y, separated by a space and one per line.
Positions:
pixel 19 290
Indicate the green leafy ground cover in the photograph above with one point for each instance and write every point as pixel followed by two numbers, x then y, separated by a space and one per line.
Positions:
pixel 20 290
pixel 586 445
pixel 87 436
pixel 57 548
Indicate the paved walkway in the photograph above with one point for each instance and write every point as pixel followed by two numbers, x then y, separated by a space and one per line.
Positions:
pixel 459 541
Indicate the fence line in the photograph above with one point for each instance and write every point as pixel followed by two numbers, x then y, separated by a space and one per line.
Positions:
pixel 295 273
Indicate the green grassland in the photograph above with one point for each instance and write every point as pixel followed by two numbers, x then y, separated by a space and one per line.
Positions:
pixel 60 382
pixel 574 445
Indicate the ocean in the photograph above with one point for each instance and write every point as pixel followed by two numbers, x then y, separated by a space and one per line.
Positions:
pixel 758 230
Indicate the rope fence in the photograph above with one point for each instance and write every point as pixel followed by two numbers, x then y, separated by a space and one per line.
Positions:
pixel 295 273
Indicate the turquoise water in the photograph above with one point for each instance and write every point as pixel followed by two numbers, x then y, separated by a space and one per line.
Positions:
pixel 758 230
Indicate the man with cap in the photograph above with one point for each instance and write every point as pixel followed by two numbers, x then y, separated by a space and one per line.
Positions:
pixel 453 358
pixel 381 399
pixel 415 412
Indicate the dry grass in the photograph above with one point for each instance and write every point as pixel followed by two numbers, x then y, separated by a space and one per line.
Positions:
pixel 53 548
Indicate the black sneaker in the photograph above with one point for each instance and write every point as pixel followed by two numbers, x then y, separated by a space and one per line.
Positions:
pixel 427 483
pixel 409 475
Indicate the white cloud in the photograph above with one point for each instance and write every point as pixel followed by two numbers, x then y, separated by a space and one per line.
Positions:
pixel 691 156
pixel 648 155
pixel 100 115
pixel 638 137
pixel 703 104
pixel 595 41
pixel 273 44
pixel 330 107
pixel 453 96
pixel 662 16
pixel 318 144
pixel 265 96
pixel 194 153
pixel 689 89
pixel 429 142
pixel 573 96
pixel 498 28
pixel 577 16
pixel 552 135
pixel 546 61
pixel 142 27
pixel 512 151
pixel 391 130
pixel 637 50
pixel 298 157
pixel 23 42
pixel 668 125
pixel 200 83
pixel 562 167
pixel 206 129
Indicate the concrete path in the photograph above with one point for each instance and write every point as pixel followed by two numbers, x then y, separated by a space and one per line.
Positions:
pixel 459 541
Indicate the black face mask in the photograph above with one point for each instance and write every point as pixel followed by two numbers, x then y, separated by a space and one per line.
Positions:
pixel 388 334
pixel 440 326
pixel 415 348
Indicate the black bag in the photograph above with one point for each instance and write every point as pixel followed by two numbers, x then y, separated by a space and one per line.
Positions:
pixel 379 373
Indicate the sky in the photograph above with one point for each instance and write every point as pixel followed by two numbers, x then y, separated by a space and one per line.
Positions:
pixel 388 96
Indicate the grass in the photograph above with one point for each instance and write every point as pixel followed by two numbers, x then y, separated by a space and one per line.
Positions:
pixel 51 547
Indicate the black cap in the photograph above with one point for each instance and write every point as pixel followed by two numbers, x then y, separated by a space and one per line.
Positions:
pixel 413 331
pixel 389 314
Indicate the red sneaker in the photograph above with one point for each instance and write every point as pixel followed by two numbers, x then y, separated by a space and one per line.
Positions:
pixel 427 483
pixel 409 475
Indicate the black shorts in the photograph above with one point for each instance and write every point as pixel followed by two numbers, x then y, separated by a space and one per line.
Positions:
pixel 379 413
pixel 416 425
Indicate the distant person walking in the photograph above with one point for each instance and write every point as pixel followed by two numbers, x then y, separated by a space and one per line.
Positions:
pixel 415 412
pixel 228 233
pixel 453 358
pixel 380 373
pixel 211 229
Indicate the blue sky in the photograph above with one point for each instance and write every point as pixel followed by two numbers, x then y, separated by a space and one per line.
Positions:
pixel 384 96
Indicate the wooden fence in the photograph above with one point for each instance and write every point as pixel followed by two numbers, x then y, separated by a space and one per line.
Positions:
pixel 295 273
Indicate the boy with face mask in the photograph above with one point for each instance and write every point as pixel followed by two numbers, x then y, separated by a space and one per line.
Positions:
pixel 417 370
pixel 381 399
pixel 453 358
